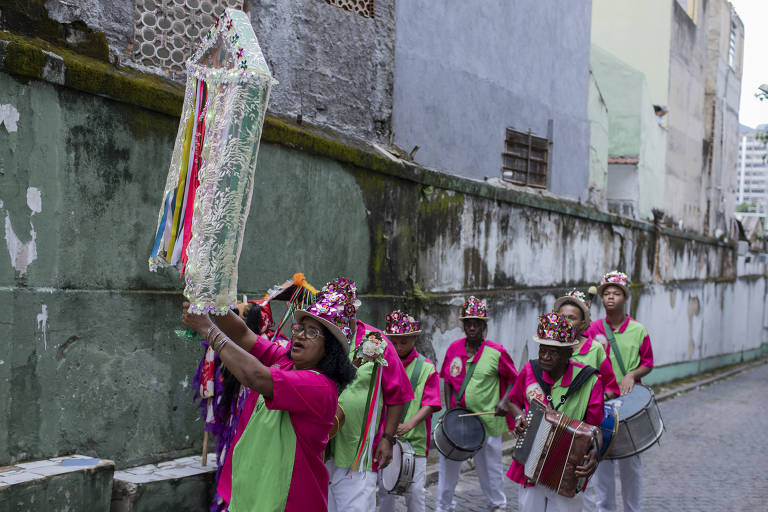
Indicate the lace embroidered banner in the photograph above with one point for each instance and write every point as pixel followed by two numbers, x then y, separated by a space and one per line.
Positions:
pixel 208 190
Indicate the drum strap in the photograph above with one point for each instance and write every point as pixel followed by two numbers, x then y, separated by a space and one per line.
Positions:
pixel 576 383
pixel 467 378
pixel 414 380
pixel 614 345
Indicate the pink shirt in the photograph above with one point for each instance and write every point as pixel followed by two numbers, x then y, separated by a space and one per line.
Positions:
pixel 430 396
pixel 310 398
pixel 526 385
pixel 454 374
pixel 606 369
pixel 597 328
pixel 272 354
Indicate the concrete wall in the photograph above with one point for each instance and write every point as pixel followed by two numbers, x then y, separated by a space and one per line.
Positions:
pixel 88 359
pixel 334 67
pixel 598 144
pixel 687 148
pixel 723 93
pixel 464 74
pixel 639 34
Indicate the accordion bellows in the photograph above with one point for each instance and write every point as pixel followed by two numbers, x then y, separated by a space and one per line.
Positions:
pixel 210 181
pixel 552 447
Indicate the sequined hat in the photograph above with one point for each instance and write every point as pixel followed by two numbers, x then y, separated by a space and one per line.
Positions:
pixel 401 324
pixel 614 278
pixel 335 308
pixel 473 308
pixel 578 299
pixel 555 330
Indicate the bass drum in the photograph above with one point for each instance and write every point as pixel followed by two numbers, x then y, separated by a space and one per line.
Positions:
pixel 640 425
pixel 397 477
pixel 459 438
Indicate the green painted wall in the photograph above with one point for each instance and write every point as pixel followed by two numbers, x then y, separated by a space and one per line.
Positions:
pixel 633 129
pixel 639 33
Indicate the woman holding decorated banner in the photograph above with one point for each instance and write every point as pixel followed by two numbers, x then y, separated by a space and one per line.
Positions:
pixel 277 462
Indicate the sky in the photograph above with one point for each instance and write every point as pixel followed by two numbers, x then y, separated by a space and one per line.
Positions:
pixel 754 15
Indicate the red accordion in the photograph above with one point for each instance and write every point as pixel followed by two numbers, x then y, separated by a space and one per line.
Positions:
pixel 551 448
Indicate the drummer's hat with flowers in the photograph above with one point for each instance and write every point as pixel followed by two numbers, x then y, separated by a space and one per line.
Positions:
pixel 578 299
pixel 614 278
pixel 473 308
pixel 401 324
pixel 555 330
pixel 335 308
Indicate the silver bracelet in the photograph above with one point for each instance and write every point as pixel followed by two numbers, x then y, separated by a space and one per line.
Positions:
pixel 208 336
pixel 221 344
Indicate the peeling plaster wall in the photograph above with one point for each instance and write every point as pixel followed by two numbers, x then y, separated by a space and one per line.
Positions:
pixel 88 359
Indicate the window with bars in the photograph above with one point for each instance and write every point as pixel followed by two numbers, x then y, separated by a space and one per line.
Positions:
pixel 525 160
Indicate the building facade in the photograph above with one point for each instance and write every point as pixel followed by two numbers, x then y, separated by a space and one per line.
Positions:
pixel 752 182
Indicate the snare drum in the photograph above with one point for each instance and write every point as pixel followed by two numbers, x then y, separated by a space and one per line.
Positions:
pixel 608 427
pixel 397 477
pixel 459 438
pixel 640 425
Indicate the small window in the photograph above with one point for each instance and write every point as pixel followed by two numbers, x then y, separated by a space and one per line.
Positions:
pixel 362 7
pixel 525 160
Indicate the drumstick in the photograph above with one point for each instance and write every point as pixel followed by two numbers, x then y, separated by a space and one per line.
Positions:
pixel 476 414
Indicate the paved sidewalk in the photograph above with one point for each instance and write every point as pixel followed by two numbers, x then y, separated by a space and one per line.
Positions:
pixel 713 455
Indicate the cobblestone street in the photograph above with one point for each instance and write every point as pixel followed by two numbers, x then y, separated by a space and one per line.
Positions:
pixel 712 456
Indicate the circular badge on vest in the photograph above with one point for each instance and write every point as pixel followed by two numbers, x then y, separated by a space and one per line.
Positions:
pixel 456 366
pixel 534 391
pixel 602 340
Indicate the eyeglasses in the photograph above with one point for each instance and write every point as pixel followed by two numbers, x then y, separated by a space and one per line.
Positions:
pixel 310 333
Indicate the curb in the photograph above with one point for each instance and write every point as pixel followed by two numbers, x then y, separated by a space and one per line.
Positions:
pixel 709 380
pixel 508 446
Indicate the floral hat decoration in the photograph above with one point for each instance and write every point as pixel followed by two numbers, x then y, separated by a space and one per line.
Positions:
pixel 474 308
pixel 401 324
pixel 335 308
pixel 578 299
pixel 555 330
pixel 614 278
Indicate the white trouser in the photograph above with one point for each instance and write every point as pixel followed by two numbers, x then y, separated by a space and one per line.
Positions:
pixel 630 473
pixel 489 471
pixel 350 491
pixel 541 499
pixel 414 496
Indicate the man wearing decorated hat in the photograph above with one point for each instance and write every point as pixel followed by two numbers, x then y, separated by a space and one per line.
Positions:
pixel 556 372
pixel 629 347
pixel 574 305
pixel 367 435
pixel 477 373
pixel 416 422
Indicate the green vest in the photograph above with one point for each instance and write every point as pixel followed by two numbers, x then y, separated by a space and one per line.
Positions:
pixel 483 393
pixel 262 462
pixel 418 435
pixel 628 343
pixel 576 405
pixel 594 356
pixel 353 401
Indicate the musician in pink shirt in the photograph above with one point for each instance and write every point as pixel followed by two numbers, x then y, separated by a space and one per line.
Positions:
pixel 574 305
pixel 556 339
pixel 629 348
